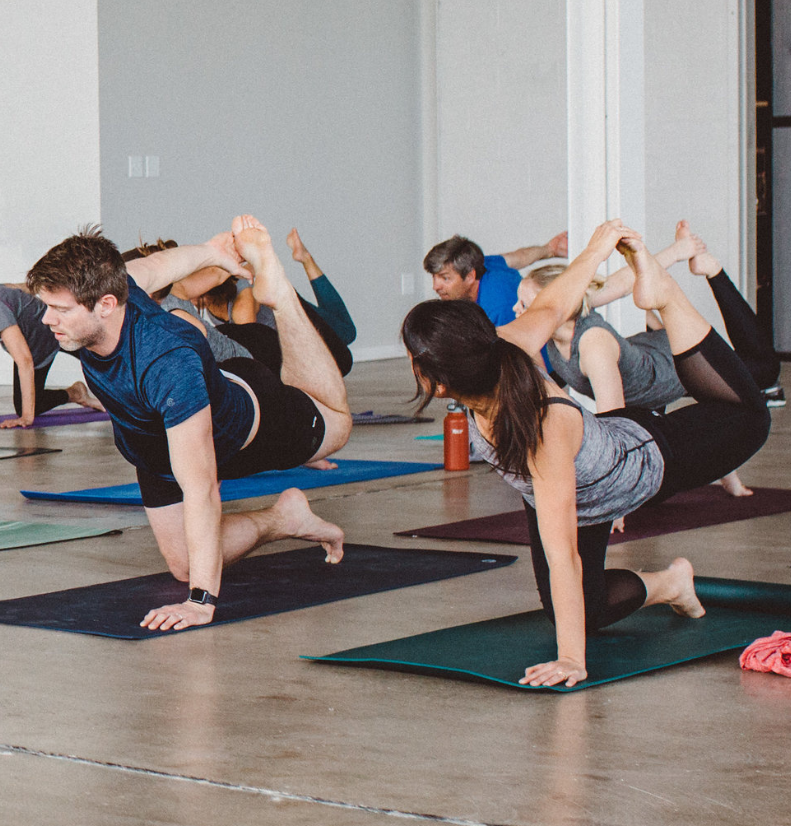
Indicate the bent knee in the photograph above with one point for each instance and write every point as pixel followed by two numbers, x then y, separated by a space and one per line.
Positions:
pixel 179 570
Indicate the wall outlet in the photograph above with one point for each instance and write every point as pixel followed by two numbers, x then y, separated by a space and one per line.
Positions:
pixel 152 166
pixel 135 166
pixel 407 283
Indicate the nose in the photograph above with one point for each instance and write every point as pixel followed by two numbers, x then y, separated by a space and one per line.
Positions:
pixel 436 283
pixel 49 317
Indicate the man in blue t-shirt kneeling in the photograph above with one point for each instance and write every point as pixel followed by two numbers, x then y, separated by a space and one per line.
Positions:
pixel 183 420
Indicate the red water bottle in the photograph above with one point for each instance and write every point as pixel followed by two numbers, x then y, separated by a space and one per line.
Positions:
pixel 457 438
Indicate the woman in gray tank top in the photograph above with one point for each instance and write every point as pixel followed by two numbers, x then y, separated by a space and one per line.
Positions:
pixel 576 471
pixel 590 356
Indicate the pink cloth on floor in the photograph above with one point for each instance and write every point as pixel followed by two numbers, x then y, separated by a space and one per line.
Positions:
pixel 769 654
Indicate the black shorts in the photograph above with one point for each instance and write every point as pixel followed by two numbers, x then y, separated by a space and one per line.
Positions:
pixel 290 432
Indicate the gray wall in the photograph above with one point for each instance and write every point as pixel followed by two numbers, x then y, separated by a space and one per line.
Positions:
pixel 501 72
pixel 692 133
pixel 304 113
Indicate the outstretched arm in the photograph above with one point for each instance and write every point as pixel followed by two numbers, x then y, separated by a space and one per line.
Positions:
pixel 621 282
pixel 557 247
pixel 17 347
pixel 156 271
pixel 192 458
pixel 560 300
pixel 554 484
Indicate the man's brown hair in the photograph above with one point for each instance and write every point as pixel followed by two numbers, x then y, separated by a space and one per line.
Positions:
pixel 88 265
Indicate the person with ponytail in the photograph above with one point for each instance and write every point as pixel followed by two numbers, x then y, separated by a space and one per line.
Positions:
pixel 577 471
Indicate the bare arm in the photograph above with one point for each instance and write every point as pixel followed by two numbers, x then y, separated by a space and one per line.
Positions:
pixel 197 283
pixel 560 300
pixel 554 484
pixel 599 354
pixel 557 247
pixel 19 351
pixel 621 282
pixel 156 271
pixel 192 459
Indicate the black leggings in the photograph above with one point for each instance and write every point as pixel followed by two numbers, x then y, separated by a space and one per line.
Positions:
pixel 45 399
pixel 700 443
pixel 264 344
pixel 748 339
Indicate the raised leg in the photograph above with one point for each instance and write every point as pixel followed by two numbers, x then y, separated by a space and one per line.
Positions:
pixel 307 363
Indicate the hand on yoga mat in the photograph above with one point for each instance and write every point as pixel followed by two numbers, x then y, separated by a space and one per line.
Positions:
pixel 558 671
pixel 178 617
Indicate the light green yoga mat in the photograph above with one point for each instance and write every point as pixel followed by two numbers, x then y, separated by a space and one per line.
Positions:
pixel 499 650
pixel 23 534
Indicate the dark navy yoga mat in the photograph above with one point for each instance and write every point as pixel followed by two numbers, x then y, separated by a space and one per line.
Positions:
pixel 260 484
pixel 699 508
pixel 255 587
pixel 499 650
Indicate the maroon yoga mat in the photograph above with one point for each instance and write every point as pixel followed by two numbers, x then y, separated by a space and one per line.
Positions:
pixel 698 508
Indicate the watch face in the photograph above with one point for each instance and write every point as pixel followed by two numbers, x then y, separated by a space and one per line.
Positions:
pixel 202 596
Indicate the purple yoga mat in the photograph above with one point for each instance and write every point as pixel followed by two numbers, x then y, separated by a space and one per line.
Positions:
pixel 699 508
pixel 68 415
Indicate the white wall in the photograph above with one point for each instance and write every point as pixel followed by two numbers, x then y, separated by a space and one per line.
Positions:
pixel 49 144
pixel 305 113
pixel 692 137
pixel 501 74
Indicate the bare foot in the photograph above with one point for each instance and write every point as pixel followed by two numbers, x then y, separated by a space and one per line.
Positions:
pixel 686 602
pixel 300 522
pixel 79 394
pixel 270 285
pixel 734 485
pixel 701 261
pixel 687 244
pixel 322 464
pixel 298 251
pixel 653 286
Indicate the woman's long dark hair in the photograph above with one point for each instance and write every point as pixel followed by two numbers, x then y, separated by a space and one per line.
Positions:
pixel 454 344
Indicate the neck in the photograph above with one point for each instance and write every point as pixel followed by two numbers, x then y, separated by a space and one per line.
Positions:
pixel 111 334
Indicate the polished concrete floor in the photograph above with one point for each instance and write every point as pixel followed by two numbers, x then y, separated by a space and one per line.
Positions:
pixel 228 726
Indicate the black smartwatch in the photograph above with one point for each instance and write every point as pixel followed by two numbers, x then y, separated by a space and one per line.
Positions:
pixel 202 597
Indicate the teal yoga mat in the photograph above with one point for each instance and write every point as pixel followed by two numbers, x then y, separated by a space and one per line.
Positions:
pixel 260 484
pixel 24 534
pixel 499 650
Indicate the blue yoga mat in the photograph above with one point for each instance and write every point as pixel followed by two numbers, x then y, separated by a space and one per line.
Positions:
pixel 260 484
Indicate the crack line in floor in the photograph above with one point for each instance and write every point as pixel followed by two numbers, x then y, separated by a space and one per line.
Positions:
pixel 219 784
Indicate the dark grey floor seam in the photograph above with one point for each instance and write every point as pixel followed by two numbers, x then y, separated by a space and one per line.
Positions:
pixel 219 784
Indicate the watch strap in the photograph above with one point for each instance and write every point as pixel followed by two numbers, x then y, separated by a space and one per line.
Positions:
pixel 201 596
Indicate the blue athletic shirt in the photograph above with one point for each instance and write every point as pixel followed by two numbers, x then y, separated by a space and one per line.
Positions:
pixel 497 290
pixel 161 373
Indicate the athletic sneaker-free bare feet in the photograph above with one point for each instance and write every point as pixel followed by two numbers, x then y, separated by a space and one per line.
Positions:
pixel 270 285
pixel 653 286
pixel 702 262
pixel 299 521
pixel 79 394
pixel 734 485
pixel 685 602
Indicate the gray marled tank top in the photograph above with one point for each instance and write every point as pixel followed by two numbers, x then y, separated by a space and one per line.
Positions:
pixel 618 467
pixel 646 364
pixel 221 346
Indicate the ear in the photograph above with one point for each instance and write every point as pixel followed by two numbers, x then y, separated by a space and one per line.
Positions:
pixel 441 392
pixel 106 305
pixel 469 277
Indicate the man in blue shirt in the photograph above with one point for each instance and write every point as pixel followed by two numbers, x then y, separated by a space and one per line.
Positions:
pixel 460 270
pixel 181 420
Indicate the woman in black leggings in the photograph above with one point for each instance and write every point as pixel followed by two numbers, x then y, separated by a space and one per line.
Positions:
pixel 578 471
